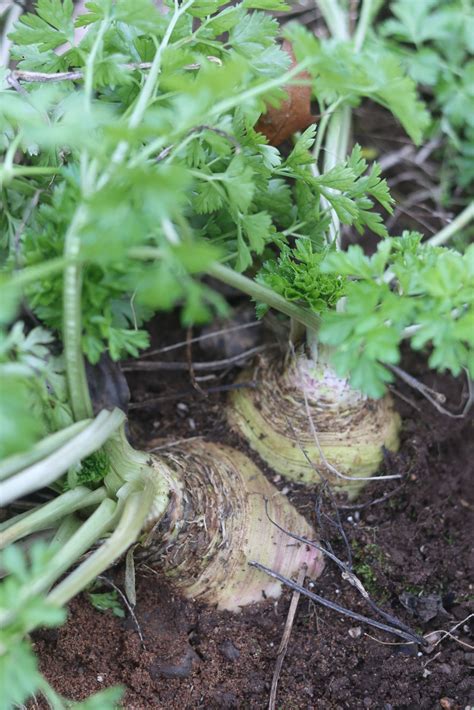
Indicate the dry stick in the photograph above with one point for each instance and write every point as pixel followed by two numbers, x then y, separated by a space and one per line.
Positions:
pixel 362 506
pixel 347 574
pixel 78 75
pixel 191 367
pixel 199 338
pixel 185 393
pixel 431 395
pixel 430 633
pixel 414 638
pixel 285 639
pixel 213 365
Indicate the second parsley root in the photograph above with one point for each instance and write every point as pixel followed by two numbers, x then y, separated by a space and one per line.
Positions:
pixel 308 423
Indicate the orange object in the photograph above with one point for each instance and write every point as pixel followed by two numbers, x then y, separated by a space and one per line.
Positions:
pixel 293 115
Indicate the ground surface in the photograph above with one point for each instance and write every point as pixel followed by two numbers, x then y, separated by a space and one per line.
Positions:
pixel 416 542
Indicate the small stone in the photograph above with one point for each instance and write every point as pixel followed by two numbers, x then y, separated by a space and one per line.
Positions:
pixel 228 650
pixel 355 632
pixel 446 703
pixel 181 668
pixel 100 678
pixel 426 673
pixel 444 668
pixel 192 424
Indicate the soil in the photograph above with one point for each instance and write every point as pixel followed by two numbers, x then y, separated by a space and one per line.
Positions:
pixel 410 549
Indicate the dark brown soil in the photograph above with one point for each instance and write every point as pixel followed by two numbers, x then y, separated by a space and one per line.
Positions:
pixel 413 544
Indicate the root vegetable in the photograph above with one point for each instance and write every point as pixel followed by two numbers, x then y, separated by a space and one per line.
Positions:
pixel 306 422
pixel 216 524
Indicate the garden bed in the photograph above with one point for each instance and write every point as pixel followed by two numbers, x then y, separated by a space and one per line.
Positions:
pixel 417 541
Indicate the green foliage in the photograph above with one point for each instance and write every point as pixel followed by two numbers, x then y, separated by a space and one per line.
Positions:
pixel 20 613
pixel 19 674
pixel 375 72
pixel 90 472
pixel 104 601
pixel 34 398
pixel 431 295
pixel 296 274
pixel 434 41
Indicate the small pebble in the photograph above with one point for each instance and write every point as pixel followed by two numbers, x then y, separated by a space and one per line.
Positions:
pixel 100 678
pixel 355 632
pixel 228 650
pixel 192 424
pixel 426 673
pixel 446 703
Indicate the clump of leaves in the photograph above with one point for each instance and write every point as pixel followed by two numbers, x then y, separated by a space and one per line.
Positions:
pixel 34 397
pixel 296 274
pixel 406 290
pixel 107 601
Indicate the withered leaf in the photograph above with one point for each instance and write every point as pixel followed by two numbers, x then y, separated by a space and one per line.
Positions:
pixel 293 114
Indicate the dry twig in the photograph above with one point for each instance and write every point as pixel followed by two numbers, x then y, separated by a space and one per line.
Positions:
pixel 285 639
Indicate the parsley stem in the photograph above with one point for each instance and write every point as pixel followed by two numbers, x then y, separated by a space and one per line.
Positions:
pixel 52 467
pixel 463 218
pixel 44 516
pixel 335 18
pixel 101 520
pixel 32 274
pixel 42 448
pixel 72 321
pixel 264 294
pixel 150 82
pixel 89 68
pixel 365 18
pixel 135 511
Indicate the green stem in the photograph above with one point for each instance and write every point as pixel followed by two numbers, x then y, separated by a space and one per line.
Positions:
pixel 46 515
pixel 365 19
pixel 79 395
pixel 335 152
pixel 89 68
pixel 323 124
pixel 150 82
pixel 101 520
pixel 135 511
pixel 335 18
pixel 42 448
pixel 31 274
pixel 463 218
pixel 68 527
pixel 264 294
pixel 44 472
pixel 93 529
pixel 25 171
